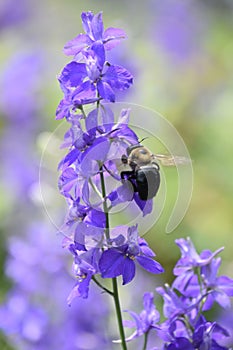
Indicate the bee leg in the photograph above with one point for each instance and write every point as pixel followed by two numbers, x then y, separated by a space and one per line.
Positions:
pixel 129 176
pixel 124 159
pixel 156 165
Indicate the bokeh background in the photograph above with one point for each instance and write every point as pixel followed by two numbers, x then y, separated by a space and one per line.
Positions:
pixel 180 53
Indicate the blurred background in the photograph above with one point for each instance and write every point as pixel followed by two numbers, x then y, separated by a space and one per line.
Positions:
pixel 180 53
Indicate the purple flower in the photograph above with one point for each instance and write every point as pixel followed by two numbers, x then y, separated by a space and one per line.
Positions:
pixel 185 326
pixel 146 320
pixel 225 319
pixel 11 15
pixel 177 334
pixel 188 263
pixel 206 335
pixel 84 271
pixel 100 144
pixel 20 84
pixel 190 259
pixel 19 317
pixel 207 283
pixel 175 305
pixel 177 29
pixel 35 315
pixel 93 80
pixel 93 26
pixel 179 343
pixel 121 260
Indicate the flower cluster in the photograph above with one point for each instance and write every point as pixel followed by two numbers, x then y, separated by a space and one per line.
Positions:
pixel 92 184
pixel 90 180
pixel 36 316
pixel 193 292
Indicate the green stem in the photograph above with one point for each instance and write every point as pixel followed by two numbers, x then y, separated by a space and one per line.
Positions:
pixel 114 280
pixel 145 340
pixel 83 112
pixel 105 203
pixel 118 312
pixel 95 189
pixel 102 287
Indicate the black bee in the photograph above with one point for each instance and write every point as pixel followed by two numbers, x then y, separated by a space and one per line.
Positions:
pixel 145 176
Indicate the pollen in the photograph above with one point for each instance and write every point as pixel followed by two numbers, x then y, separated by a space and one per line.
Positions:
pixel 80 278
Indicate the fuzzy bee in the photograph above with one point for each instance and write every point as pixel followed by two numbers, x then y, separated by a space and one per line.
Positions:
pixel 144 174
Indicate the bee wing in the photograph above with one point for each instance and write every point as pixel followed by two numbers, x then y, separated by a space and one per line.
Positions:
pixel 169 160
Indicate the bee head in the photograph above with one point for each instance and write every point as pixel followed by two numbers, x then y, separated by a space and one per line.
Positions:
pixel 132 148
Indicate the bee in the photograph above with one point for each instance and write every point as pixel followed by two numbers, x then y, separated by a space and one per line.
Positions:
pixel 145 171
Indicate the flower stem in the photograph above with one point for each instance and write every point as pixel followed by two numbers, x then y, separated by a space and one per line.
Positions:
pixel 104 203
pixel 118 313
pixel 114 280
pixel 102 287
pixel 145 340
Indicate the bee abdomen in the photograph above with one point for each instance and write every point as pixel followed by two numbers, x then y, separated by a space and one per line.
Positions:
pixel 148 181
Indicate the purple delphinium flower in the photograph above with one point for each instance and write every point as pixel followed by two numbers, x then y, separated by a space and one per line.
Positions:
pixel 193 291
pixel 197 275
pixel 11 15
pixel 121 260
pixel 176 305
pixel 93 26
pixel 20 84
pixel 93 80
pixel 177 29
pixel 36 316
pixel 204 335
pixel 225 319
pixel 19 107
pixel 96 143
pixel 85 266
pixel 147 319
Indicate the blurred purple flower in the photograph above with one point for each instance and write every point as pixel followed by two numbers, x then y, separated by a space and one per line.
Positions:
pixel 225 319
pixel 146 320
pixel 20 103
pixel 193 291
pixel 20 84
pixel 36 315
pixel 207 283
pixel 206 335
pixel 11 15
pixel 180 334
pixel 178 28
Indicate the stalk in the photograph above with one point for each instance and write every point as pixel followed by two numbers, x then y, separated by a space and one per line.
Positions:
pixel 145 340
pixel 114 280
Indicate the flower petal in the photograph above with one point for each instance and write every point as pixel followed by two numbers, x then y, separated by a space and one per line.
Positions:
pixel 76 45
pixel 97 26
pixel 118 77
pixel 111 263
pixel 73 74
pixel 226 284
pixel 87 18
pixel 112 37
pixel 105 91
pixel 128 272
pixel 149 264
pixel 91 120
